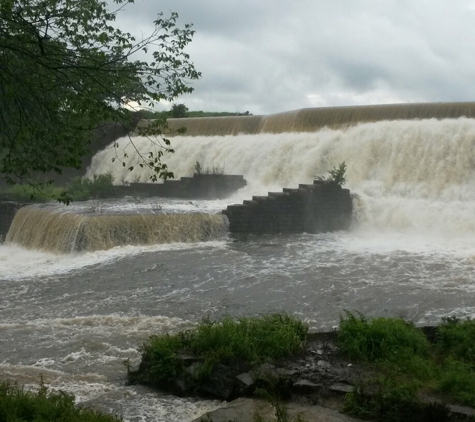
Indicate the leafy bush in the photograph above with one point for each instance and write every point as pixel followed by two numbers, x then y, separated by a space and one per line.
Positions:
pixel 19 405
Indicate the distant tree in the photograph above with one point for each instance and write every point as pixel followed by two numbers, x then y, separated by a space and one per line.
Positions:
pixel 179 111
pixel 64 68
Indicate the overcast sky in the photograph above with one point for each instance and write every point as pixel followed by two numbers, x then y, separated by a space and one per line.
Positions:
pixel 270 56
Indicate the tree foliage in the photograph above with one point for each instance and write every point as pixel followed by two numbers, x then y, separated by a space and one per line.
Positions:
pixel 65 67
pixel 179 111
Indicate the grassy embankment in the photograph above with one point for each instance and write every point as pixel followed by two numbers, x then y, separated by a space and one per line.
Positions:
pixel 405 370
pixel 409 371
pixel 406 373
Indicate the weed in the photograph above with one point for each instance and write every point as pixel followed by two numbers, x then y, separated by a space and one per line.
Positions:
pixel 336 174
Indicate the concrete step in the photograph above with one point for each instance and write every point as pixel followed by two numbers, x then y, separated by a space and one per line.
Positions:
pixel 249 203
pixel 290 191
pixel 304 186
pixel 277 194
pixel 260 198
pixel 236 207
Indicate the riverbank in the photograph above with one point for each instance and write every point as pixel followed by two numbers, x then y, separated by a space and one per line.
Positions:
pixel 373 369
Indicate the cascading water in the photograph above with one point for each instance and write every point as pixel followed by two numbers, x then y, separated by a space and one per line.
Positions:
pixel 411 252
pixel 407 175
pixel 56 230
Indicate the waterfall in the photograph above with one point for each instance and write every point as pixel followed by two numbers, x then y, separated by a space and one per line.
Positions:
pixel 407 174
pixel 53 230
pixel 411 168
pixel 312 119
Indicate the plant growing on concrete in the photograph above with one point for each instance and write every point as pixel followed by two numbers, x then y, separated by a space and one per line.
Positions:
pixel 199 169
pixel 336 174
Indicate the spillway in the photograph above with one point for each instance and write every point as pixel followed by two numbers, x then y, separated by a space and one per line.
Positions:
pixel 74 317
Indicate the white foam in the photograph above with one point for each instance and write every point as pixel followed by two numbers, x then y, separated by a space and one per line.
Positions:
pixel 17 263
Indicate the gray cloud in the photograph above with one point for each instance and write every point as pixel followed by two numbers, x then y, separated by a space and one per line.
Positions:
pixel 270 56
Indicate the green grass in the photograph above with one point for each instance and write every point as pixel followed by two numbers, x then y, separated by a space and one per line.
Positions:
pixel 80 189
pixel 381 338
pixel 407 365
pixel 24 192
pixel 19 405
pixel 246 341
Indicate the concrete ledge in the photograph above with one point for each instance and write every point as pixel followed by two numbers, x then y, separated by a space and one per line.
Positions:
pixel 320 207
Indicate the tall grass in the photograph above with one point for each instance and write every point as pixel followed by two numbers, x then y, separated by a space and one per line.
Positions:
pixel 405 362
pixel 19 405
pixel 249 341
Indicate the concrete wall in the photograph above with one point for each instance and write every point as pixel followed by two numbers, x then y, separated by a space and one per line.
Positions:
pixel 203 186
pixel 321 207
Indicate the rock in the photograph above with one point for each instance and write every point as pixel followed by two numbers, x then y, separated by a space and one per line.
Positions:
pixel 188 360
pixel 241 410
pixel 193 369
pixel 324 364
pixel 462 411
pixel 220 383
pixel 244 383
pixel 341 388
pixel 265 367
pixel 245 378
pixel 284 372
pixel 303 386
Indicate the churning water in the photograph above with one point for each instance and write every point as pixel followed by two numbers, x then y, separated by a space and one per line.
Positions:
pixel 411 253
